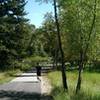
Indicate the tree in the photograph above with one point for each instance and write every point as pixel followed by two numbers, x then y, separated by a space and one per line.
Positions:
pixel 84 53
pixel 60 47
pixel 79 26
pixel 12 30
pixel 59 44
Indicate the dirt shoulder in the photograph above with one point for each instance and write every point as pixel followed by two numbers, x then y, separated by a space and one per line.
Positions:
pixel 45 85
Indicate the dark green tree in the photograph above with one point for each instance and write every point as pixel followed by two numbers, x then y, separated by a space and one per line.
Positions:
pixel 12 30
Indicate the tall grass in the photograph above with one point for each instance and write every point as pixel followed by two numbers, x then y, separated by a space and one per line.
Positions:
pixel 8 75
pixel 90 86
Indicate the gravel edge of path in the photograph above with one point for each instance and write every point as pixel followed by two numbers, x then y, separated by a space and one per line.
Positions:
pixel 45 85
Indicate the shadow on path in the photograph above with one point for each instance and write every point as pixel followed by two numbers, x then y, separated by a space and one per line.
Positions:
pixel 24 75
pixel 14 95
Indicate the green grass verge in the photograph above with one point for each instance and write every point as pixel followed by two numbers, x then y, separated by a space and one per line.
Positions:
pixel 8 75
pixel 90 86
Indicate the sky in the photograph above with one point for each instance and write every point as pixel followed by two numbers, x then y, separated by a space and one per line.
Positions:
pixel 36 11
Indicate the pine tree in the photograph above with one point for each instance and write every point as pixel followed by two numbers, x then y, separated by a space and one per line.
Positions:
pixel 12 30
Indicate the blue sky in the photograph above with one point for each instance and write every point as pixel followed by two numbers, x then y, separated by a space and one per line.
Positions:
pixel 36 11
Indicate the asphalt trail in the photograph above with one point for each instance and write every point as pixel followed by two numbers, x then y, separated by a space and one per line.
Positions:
pixel 23 87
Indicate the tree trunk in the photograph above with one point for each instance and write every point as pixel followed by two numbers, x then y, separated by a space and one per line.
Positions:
pixel 83 54
pixel 54 63
pixel 78 87
pixel 56 57
pixel 60 49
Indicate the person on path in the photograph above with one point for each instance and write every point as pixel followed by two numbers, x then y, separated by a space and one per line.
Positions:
pixel 38 70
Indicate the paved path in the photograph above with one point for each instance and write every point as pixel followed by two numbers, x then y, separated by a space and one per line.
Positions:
pixel 23 87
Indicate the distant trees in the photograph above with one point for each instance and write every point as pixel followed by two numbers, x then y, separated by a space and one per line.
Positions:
pixel 39 43
pixel 31 37
pixel 51 44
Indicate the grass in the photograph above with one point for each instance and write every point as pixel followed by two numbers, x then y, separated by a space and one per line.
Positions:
pixel 90 86
pixel 8 75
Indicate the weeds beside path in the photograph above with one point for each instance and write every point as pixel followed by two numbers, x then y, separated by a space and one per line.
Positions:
pixel 90 86
pixel 7 76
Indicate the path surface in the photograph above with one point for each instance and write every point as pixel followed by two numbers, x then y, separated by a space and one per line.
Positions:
pixel 24 87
